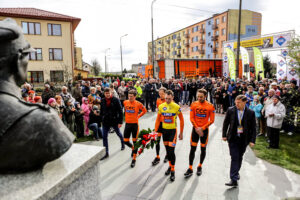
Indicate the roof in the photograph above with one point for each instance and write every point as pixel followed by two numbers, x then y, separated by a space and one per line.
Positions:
pixel 34 13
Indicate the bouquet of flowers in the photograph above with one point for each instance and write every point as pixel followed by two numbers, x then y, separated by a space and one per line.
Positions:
pixel 146 139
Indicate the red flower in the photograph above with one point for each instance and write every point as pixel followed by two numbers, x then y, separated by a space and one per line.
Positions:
pixel 145 136
pixel 143 142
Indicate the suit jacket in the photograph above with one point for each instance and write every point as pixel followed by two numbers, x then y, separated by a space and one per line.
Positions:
pixel 230 125
pixel 113 115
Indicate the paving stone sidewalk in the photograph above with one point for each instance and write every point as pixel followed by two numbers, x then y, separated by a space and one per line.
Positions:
pixel 259 179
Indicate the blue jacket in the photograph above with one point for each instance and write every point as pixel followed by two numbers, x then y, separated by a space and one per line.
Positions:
pixel 256 108
pixel 249 99
pixel 231 88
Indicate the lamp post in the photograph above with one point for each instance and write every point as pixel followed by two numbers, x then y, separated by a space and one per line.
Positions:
pixel 153 56
pixel 121 53
pixel 238 42
pixel 105 60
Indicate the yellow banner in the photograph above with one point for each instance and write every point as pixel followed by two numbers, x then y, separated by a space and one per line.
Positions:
pixel 265 42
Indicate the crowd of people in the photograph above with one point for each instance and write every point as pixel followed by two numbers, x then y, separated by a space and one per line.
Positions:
pixel 79 106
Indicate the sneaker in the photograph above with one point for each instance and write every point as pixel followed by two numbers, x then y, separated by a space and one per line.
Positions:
pixel 155 161
pixel 232 183
pixel 166 159
pixel 199 171
pixel 131 154
pixel 104 157
pixel 188 173
pixel 132 164
pixel 122 148
pixel 168 171
pixel 172 177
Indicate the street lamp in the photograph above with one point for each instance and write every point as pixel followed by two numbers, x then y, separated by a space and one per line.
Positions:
pixel 238 42
pixel 121 53
pixel 153 56
pixel 105 60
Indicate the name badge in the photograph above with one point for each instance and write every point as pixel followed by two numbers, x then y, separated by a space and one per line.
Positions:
pixel 240 130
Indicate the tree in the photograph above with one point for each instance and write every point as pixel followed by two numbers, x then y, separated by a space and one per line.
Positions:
pixel 96 66
pixel 294 52
pixel 268 67
pixel 124 70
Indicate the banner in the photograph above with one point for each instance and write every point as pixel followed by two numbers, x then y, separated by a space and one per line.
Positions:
pixel 231 63
pixel 265 42
pixel 225 66
pixel 291 72
pixel 245 58
pixel 282 40
pixel 281 68
pixel 259 63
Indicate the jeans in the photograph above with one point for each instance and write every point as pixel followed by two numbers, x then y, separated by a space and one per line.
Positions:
pixel 105 130
pixel 185 97
pixel 96 130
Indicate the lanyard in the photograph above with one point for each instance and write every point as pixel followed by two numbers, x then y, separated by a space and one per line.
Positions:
pixel 240 115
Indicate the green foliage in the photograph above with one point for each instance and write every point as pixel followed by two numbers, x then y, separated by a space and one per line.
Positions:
pixel 269 70
pixel 288 156
pixel 96 66
pixel 294 52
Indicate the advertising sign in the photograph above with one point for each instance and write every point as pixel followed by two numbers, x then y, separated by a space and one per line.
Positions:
pixel 231 62
pixel 259 62
pixel 282 40
pixel 264 42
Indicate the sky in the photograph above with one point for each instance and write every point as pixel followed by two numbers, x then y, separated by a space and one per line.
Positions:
pixel 103 22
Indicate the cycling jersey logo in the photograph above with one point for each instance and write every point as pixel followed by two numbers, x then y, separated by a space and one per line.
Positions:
pixel 130 109
pixel 164 108
pixel 173 144
pixel 168 114
pixel 200 112
pixel 199 115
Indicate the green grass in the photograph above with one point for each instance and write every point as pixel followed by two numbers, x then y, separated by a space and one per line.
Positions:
pixel 288 156
pixel 84 139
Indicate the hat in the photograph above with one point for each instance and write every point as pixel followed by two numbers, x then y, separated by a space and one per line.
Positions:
pixel 31 92
pixel 12 38
pixel 95 107
pixel 36 98
pixel 51 100
pixel 274 83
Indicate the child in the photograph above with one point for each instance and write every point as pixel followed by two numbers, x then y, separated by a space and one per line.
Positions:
pixel 78 120
pixel 256 106
pixel 86 109
pixel 52 103
pixel 38 99
pixel 69 114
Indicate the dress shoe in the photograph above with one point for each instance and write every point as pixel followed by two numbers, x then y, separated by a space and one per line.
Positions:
pixel 232 183
pixel 104 157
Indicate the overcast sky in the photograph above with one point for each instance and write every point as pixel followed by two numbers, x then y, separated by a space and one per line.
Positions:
pixel 104 21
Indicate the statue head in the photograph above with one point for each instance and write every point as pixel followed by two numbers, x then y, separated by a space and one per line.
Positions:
pixel 14 52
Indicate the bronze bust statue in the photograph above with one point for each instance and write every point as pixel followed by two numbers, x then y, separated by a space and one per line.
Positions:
pixel 30 134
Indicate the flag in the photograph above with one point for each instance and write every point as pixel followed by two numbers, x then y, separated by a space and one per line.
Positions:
pixel 231 62
pixel 259 62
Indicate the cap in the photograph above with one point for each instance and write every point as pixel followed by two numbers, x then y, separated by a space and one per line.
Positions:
pixel 51 100
pixel 12 39
pixel 274 83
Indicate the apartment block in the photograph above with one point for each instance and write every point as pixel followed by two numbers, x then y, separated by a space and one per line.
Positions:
pixel 205 39
pixel 52 35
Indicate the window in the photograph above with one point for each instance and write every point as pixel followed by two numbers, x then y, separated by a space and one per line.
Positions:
pixel 223 31
pixel 202 26
pixel 174 53
pixel 35 76
pixel 54 29
pixel 55 54
pixel 209 33
pixel 57 76
pixel 174 36
pixel 195 29
pixel 203 37
pixel 217 32
pixel 36 55
pixel 194 49
pixel 31 28
pixel 208 56
pixel 217 21
pixel 195 39
pixel 217 44
pixel 224 19
pixel 174 44
pixel 209 22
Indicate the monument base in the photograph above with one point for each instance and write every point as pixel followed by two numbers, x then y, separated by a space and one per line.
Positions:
pixel 74 176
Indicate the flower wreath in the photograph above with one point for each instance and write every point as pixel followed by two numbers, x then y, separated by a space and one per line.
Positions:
pixel 146 139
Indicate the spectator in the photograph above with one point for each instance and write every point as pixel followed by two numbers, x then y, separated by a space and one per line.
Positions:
pixel 38 99
pixel 25 97
pixel 185 95
pixel 60 107
pixel 139 91
pixel 225 98
pixel 275 114
pixel 219 97
pixel 175 87
pixel 77 92
pixel 113 91
pixel 31 94
pixel 150 95
pixel 66 95
pixel 53 104
pixel 86 89
pixel 249 95
pixel 86 108
pixel 94 100
pixel 192 91
pixel 121 92
pixel 69 114
pixel 95 123
pixel 256 106
pixel 111 116
pixel 78 125
pixel 105 84
pixel 47 94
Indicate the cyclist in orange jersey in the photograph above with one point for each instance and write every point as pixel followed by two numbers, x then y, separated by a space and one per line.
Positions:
pixel 167 114
pixel 162 93
pixel 132 109
pixel 202 115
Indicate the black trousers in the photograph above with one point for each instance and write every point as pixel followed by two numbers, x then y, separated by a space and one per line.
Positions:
pixel 273 134
pixel 237 149
pixel 191 97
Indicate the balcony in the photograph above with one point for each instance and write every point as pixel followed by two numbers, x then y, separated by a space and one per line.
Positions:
pixel 187 35
pixel 178 47
pixel 168 41
pixel 202 30
pixel 187 44
pixel 201 41
pixel 178 38
pixel 178 55
pixel 215 50
pixel 214 27
pixel 214 38
pixel 201 51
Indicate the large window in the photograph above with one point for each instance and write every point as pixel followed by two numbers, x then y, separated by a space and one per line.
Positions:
pixel 31 28
pixel 217 21
pixel 195 29
pixel 55 54
pixel 224 19
pixel 36 55
pixel 195 39
pixel 223 31
pixel 35 76
pixel 54 29
pixel 174 36
pixel 56 76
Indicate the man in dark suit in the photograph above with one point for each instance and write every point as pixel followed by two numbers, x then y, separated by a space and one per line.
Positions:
pixel 239 130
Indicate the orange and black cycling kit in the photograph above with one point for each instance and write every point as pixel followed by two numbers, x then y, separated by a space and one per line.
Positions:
pixel 158 102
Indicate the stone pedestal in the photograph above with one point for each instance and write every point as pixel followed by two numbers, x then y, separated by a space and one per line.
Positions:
pixel 74 176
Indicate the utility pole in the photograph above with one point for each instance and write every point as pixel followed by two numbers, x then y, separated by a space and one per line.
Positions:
pixel 105 60
pixel 121 53
pixel 153 56
pixel 238 42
